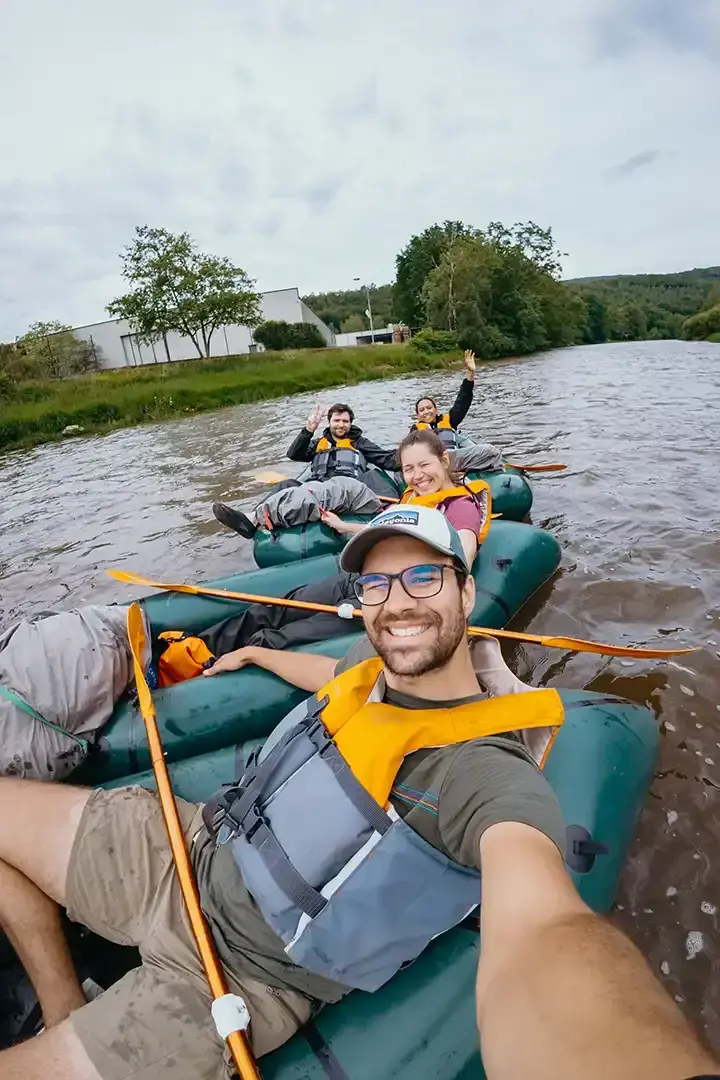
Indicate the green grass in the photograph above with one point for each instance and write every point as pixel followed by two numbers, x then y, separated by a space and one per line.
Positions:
pixel 39 411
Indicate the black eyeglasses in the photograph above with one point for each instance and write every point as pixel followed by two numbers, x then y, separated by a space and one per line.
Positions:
pixel 419 582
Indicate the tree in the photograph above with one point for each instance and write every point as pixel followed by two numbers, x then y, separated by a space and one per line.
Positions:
pixel 333 319
pixel 175 287
pixel 596 329
pixel 277 334
pixel 498 299
pixel 353 324
pixel 530 240
pixel 335 307
pixel 50 349
pixel 703 324
pixel 418 258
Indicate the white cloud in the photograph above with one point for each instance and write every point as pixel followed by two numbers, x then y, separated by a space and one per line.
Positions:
pixel 309 145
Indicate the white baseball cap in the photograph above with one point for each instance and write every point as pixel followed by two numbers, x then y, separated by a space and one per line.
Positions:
pixel 420 522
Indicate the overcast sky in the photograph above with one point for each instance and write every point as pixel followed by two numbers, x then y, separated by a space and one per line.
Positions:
pixel 309 145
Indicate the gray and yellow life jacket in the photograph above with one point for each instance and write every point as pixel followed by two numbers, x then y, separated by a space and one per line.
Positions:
pixel 351 889
pixel 337 458
pixel 443 428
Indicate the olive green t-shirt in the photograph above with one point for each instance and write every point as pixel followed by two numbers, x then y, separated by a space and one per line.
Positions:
pixel 449 795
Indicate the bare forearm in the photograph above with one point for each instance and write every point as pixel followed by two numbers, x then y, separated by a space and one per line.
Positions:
pixel 587 1005
pixel 309 671
pixel 577 990
pixel 468 539
pixel 351 527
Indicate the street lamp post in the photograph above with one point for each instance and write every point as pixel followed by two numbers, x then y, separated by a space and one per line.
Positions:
pixel 369 311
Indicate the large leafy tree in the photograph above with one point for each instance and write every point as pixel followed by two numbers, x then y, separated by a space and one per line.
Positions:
pixel 175 287
pixel 418 258
pixel 500 296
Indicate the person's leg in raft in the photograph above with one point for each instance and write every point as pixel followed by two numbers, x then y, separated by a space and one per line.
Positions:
pixel 38 823
pixel 247 524
pixel 115 874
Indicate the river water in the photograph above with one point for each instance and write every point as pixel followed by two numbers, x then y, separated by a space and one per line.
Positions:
pixel 637 515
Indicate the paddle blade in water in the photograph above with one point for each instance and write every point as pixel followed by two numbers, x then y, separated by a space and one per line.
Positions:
pixel 549 467
pixel 270 477
pixel 580 645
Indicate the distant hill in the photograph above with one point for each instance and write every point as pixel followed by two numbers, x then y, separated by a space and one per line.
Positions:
pixel 620 306
pixel 345 310
pixel 631 306
pixel 685 292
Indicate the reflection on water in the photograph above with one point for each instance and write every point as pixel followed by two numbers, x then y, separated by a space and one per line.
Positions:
pixel 637 515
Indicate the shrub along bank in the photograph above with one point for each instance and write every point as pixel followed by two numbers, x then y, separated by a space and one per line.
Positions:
pixel 37 412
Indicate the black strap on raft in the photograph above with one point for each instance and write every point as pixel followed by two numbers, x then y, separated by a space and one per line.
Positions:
pixel 581 850
pixel 325 1054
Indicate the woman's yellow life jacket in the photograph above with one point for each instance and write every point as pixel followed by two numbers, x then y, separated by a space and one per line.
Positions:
pixel 443 428
pixel 338 458
pixel 184 658
pixel 374 737
pixel 478 490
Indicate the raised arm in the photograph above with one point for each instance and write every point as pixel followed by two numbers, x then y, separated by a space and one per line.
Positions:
pixel 561 993
pixel 299 449
pixel 465 394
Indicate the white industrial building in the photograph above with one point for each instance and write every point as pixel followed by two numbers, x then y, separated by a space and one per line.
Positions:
pixel 116 345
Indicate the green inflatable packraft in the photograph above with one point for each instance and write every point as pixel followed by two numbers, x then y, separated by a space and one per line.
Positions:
pixel 422 1023
pixel 206 714
pixel 511 495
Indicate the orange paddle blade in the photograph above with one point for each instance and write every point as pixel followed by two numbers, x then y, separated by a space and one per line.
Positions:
pixel 270 477
pixel 549 467
pixel 580 645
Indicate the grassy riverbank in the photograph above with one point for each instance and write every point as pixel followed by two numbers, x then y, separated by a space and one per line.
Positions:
pixel 38 412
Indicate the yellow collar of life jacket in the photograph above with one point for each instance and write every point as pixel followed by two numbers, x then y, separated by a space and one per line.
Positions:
pixel 477 488
pixel 442 422
pixel 324 444
pixel 374 737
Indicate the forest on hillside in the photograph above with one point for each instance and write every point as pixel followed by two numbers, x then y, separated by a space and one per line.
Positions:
pixel 619 308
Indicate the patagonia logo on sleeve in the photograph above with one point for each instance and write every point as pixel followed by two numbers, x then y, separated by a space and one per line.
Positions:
pixel 398 517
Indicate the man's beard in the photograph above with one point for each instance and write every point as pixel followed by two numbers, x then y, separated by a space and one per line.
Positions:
pixel 431 657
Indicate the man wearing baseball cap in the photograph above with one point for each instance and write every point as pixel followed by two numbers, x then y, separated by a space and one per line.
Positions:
pixel 356 837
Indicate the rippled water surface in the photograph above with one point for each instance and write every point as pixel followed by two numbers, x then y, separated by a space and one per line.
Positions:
pixel 637 515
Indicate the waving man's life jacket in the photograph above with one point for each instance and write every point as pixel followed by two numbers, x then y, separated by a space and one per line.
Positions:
pixel 339 458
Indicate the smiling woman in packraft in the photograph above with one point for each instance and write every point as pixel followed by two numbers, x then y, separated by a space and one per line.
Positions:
pixel 425 465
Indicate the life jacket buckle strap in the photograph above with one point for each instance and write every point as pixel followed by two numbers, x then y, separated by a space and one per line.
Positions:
pixel 258 821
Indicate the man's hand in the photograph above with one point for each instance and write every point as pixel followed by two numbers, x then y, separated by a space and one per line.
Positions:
pixel 469 362
pixel 333 521
pixel 232 661
pixel 314 418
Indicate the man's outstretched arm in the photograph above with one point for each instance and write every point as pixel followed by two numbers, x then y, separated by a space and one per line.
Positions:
pixel 561 993
pixel 308 671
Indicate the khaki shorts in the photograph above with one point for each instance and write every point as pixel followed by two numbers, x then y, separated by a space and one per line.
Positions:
pixel 156 1020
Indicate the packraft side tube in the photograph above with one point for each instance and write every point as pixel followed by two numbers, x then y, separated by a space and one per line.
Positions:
pixel 511 497
pixel 205 714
